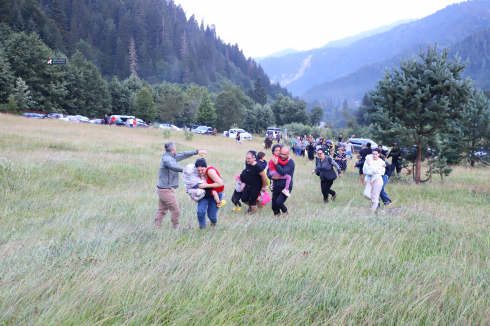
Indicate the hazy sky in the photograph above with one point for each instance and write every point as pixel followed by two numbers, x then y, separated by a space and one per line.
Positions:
pixel 261 27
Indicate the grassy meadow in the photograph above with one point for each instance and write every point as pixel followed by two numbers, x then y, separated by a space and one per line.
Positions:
pixel 78 246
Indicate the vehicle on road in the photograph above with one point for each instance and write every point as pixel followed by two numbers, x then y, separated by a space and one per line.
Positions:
pixel 358 142
pixel 203 130
pixel 233 132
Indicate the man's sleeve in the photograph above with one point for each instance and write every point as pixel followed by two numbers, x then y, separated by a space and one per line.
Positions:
pixel 288 168
pixel 173 166
pixel 183 155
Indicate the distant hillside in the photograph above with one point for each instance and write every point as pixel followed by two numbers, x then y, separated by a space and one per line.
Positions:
pixel 301 71
pixel 277 54
pixel 151 38
pixel 351 39
pixel 475 48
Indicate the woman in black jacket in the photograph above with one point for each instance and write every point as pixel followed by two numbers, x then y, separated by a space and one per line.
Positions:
pixel 324 168
pixel 311 151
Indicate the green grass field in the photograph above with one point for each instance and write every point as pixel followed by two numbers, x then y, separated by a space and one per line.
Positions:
pixel 78 246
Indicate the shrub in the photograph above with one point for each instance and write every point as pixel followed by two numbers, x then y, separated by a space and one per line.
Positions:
pixel 189 134
pixel 167 133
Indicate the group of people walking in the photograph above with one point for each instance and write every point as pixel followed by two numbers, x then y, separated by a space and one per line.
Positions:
pixel 252 182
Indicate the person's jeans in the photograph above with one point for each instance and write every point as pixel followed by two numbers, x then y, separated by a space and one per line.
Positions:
pixel 382 195
pixel 349 154
pixel 208 205
pixel 297 151
pixel 372 191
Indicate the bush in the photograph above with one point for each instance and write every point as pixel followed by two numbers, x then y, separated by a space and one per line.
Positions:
pixel 189 134
pixel 326 133
pixel 167 133
pixel 297 129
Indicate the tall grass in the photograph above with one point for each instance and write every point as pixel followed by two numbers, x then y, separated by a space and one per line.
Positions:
pixel 78 247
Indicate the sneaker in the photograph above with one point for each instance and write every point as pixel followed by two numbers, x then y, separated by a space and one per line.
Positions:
pixel 334 196
pixel 271 187
pixel 213 225
pixel 325 201
pixel 286 192
pixel 234 209
pixel 239 209
pixel 221 203
pixel 387 204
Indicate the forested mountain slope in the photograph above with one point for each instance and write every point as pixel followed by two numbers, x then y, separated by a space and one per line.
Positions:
pixel 151 38
pixel 301 71
pixel 474 48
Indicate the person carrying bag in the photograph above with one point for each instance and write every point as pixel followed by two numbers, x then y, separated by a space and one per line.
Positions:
pixel 324 168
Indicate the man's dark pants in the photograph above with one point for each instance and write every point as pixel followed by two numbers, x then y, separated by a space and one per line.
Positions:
pixel 278 200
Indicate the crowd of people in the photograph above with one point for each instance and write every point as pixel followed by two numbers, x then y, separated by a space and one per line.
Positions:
pixel 204 184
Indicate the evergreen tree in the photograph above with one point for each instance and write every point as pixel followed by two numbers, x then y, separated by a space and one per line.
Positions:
pixel 229 110
pixel 6 78
pixel 12 106
pixel 301 114
pixel 259 94
pixel 440 167
pixel 205 112
pixel 361 113
pixel 22 96
pixel 473 136
pixel 250 120
pixel 144 107
pixel 316 115
pixel 133 58
pixel 265 117
pixel 419 100
pixel 6 11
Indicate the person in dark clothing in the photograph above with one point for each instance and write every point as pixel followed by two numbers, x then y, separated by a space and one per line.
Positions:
pixel 327 147
pixel 261 160
pixel 278 196
pixel 382 152
pixel 106 120
pixel 362 156
pixel 325 169
pixel 339 140
pixel 383 196
pixel 396 155
pixel 255 179
pixel 311 151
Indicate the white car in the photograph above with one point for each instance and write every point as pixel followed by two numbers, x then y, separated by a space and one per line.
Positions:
pixel 232 133
pixel 169 126
pixel 78 118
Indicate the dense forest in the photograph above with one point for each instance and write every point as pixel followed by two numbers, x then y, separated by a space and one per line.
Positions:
pixel 152 39
pixel 475 49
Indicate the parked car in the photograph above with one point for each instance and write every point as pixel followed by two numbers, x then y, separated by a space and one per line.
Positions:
pixel 169 126
pixel 139 123
pixel 203 130
pixel 273 131
pixel 358 142
pixel 55 115
pixel 98 121
pixel 123 118
pixel 119 122
pixel 78 118
pixel 33 115
pixel 243 134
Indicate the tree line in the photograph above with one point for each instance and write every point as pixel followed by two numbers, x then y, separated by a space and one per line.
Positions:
pixel 152 39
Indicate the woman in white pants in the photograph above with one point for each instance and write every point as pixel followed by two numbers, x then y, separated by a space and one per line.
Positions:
pixel 375 169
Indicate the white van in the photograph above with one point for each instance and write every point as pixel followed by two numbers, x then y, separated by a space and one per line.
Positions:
pixel 273 131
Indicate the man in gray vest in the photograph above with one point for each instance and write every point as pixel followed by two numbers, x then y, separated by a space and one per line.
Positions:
pixel 168 181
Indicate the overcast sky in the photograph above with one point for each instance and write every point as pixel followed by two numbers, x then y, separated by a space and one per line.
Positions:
pixel 261 27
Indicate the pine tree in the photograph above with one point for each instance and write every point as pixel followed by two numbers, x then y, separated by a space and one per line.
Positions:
pixel 12 106
pixel 6 11
pixel 6 78
pixel 22 95
pixel 205 112
pixel 422 98
pixel 120 97
pixel 170 103
pixel 259 94
pixel 133 58
pixel 440 167
pixel 144 107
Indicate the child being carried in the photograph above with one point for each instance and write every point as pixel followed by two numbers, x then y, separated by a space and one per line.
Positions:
pixel 192 179
pixel 273 172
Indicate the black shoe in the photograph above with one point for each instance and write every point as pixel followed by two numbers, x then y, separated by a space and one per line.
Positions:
pixel 325 201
